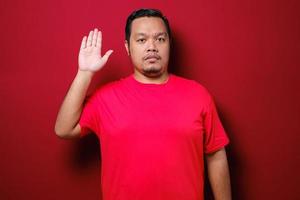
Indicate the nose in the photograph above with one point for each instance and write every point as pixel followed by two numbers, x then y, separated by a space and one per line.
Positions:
pixel 152 46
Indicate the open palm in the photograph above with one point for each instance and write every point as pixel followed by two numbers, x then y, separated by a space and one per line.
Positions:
pixel 89 58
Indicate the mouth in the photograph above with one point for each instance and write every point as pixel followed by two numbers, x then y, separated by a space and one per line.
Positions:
pixel 152 58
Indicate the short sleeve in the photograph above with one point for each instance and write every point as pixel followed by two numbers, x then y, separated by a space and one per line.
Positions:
pixel 89 119
pixel 215 136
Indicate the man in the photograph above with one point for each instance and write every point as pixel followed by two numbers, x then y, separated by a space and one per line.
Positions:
pixel 155 128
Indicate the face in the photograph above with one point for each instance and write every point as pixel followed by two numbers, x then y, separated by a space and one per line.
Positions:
pixel 149 46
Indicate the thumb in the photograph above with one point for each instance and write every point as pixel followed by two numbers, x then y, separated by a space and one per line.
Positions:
pixel 107 54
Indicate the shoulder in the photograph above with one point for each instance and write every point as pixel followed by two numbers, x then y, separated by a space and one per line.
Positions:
pixel 193 86
pixel 110 87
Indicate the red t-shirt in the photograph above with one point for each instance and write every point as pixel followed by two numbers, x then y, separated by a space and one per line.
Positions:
pixel 153 137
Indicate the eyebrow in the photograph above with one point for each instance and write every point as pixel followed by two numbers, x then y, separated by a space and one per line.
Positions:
pixel 161 33
pixel 156 34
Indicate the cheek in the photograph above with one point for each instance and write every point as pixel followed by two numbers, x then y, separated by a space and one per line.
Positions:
pixel 136 52
pixel 165 53
pixel 136 56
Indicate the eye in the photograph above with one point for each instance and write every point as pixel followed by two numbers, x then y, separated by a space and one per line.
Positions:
pixel 142 40
pixel 161 39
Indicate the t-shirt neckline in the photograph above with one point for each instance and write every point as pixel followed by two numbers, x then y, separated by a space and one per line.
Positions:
pixel 158 85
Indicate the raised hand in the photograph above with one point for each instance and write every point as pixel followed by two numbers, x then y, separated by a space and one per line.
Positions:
pixel 90 58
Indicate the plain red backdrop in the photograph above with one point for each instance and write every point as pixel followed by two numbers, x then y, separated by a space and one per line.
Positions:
pixel 246 53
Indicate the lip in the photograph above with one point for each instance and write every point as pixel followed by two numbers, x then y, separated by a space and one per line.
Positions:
pixel 152 57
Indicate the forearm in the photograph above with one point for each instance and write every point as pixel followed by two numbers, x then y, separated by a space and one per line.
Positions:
pixel 218 174
pixel 72 105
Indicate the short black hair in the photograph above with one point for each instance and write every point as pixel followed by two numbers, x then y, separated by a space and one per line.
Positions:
pixel 145 12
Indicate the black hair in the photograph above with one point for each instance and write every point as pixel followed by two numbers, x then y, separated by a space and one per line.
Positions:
pixel 145 12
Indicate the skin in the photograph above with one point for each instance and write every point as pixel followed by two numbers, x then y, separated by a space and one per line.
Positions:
pixel 218 174
pixel 148 37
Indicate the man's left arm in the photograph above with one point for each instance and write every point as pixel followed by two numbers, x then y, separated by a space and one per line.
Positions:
pixel 218 174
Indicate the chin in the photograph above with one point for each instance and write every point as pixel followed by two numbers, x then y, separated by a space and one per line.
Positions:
pixel 152 71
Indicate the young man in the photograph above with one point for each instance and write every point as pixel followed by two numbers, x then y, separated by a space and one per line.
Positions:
pixel 155 128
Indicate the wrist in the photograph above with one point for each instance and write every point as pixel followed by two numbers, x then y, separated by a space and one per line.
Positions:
pixel 85 73
pixel 84 77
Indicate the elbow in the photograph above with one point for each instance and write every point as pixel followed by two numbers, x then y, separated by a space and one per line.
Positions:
pixel 59 132
pixel 66 133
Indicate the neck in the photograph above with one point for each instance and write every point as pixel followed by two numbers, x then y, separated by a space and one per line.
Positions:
pixel 157 80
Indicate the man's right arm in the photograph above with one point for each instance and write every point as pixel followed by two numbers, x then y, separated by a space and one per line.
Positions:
pixel 89 61
pixel 67 125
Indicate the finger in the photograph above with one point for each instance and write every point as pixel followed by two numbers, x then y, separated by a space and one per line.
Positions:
pixel 83 43
pixel 94 39
pixel 106 55
pixel 89 40
pixel 99 39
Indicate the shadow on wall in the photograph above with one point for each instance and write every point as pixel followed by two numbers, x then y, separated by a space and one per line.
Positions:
pixel 175 59
pixel 86 153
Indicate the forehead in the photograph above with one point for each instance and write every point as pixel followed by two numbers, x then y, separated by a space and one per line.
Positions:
pixel 147 25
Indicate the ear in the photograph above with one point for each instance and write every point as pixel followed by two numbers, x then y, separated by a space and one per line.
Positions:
pixel 127 47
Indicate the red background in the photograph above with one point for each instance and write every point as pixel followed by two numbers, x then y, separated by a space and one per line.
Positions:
pixel 246 53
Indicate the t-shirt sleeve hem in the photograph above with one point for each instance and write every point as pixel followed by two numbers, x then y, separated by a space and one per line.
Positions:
pixel 216 148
